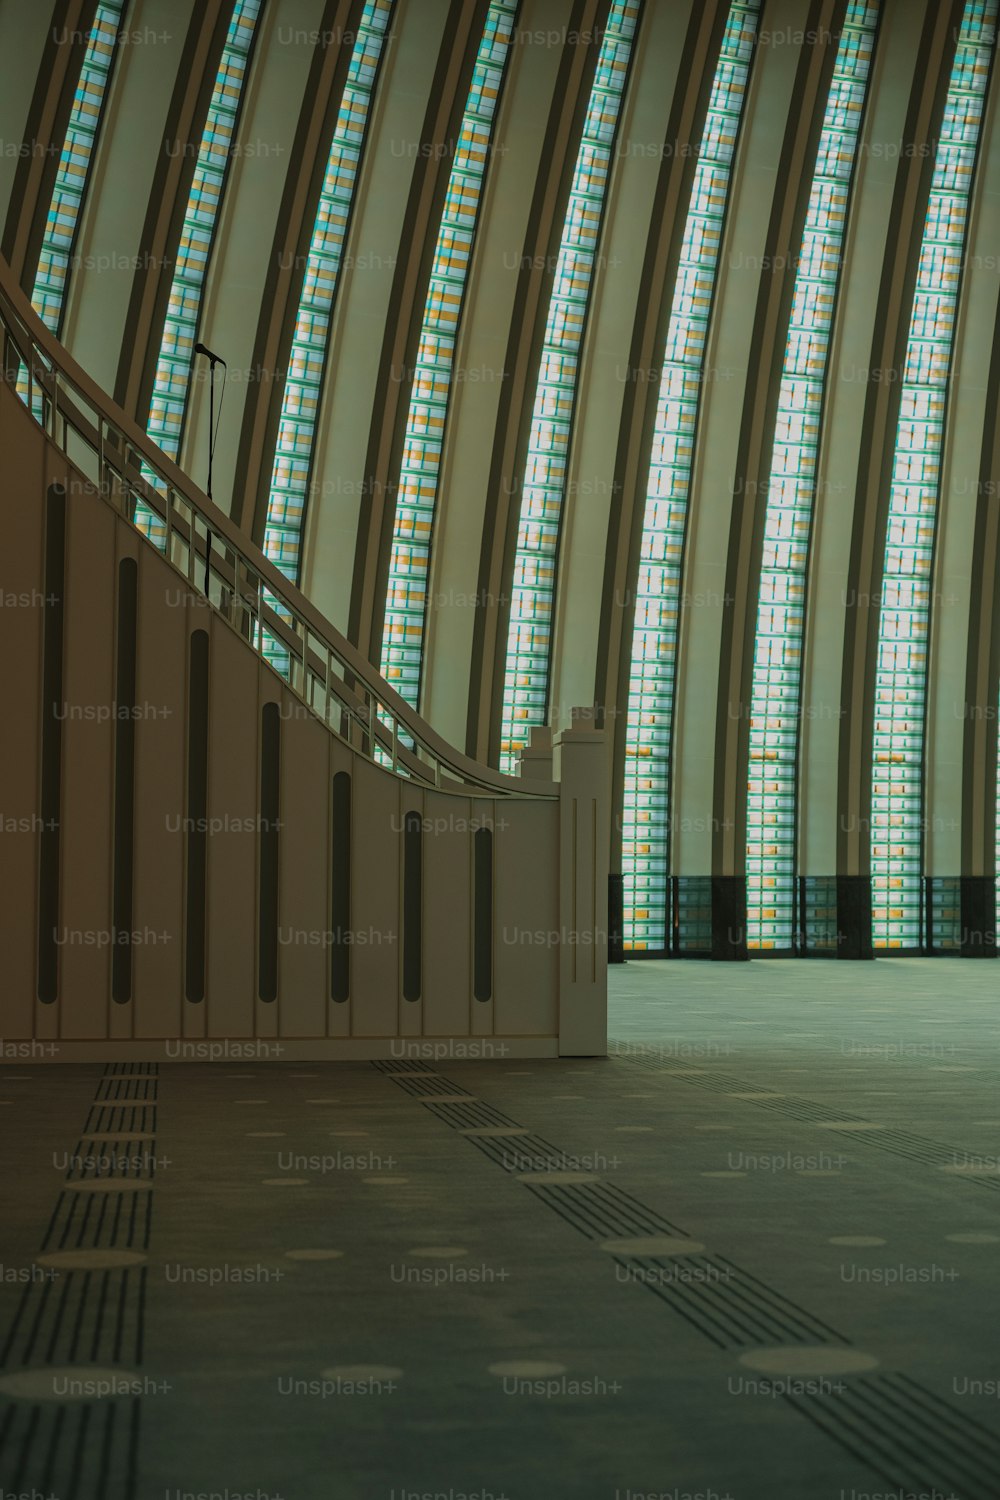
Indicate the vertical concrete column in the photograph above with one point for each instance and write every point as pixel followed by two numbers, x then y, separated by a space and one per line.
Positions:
pixel 580 764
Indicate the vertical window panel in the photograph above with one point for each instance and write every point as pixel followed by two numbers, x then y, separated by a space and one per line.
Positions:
pixel 413 526
pixel 646 817
pixel 175 363
pixel 529 633
pixel 307 358
pixel 73 173
pixel 775 703
pixel 897 796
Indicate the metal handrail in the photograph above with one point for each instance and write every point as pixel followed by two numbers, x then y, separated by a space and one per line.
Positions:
pixel 326 672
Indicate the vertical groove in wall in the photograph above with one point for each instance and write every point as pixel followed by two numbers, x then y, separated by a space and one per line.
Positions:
pixel 50 809
pixel 196 836
pixel 121 953
pixel 594 887
pixel 413 900
pixel 270 803
pixel 574 856
pixel 340 890
pixel 482 923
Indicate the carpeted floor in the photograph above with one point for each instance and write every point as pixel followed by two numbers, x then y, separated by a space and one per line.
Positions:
pixel 753 1254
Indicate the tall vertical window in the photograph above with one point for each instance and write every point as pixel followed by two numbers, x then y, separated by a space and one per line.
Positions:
pixel 409 562
pixel 307 359
pixel 174 365
pixel 649 722
pixel 526 677
pixel 73 173
pixel 897 804
pixel 790 491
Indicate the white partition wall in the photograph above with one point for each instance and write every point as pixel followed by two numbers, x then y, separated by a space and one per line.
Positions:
pixel 234 861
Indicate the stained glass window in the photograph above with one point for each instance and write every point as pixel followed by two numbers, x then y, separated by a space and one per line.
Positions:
pixel 526 676
pixel 409 561
pixel 54 263
pixel 174 365
pixel 775 706
pixel 897 805
pixel 307 359
pixel 649 724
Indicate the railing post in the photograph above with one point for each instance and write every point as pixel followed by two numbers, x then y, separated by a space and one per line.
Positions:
pixel 535 760
pixel 580 764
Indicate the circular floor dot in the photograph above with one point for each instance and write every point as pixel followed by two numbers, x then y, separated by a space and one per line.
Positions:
pixel 806 1360
pixel 859 1240
pixel 64 1383
pixel 496 1130
pixel 284 1181
pixel 973 1238
pixel 90 1260
pixel 526 1369
pixel 439 1252
pixel 314 1254
pixel 652 1244
pixel 109 1185
pixel 556 1177
pixel 385 1181
pixel 361 1372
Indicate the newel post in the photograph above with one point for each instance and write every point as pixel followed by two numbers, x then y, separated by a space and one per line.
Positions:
pixel 580 766
pixel 535 760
